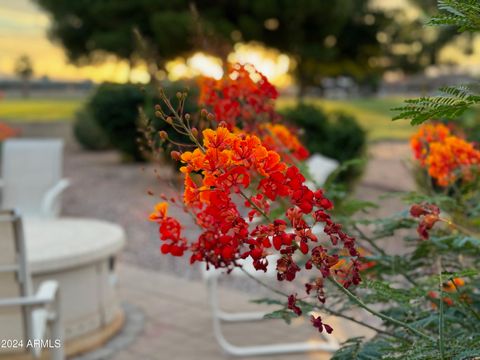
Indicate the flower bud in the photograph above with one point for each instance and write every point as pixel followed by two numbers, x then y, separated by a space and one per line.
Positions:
pixel 187 117
pixel 203 113
pixel 169 120
pixel 158 114
pixel 163 135
pixel 175 155
pixel 179 95
pixel 210 117
pixel 158 107
pixel 194 132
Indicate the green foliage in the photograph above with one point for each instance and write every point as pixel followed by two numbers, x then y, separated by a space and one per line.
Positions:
pixel 383 292
pixel 284 314
pixel 469 124
pixel 357 349
pixel 190 107
pixel 373 114
pixel 380 348
pixel 115 109
pixel 454 100
pixel 335 135
pixel 453 103
pixel 464 14
pixel 408 298
pixel 88 133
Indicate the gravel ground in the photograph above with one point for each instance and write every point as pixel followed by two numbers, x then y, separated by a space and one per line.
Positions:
pixel 105 188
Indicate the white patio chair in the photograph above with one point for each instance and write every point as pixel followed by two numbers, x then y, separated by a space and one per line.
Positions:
pixel 32 176
pixel 320 167
pixel 212 276
pixel 25 316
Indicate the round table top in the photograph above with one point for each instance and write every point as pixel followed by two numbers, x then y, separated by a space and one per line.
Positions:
pixel 62 243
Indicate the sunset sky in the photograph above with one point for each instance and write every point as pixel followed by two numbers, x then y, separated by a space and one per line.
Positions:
pixel 23 30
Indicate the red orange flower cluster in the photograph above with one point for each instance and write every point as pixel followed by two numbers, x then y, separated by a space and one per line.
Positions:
pixel 244 100
pixel 282 139
pixel 240 97
pixel 450 286
pixel 427 133
pixel 446 157
pixel 218 174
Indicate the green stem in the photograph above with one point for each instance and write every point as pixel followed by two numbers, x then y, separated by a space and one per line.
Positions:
pixel 459 227
pixel 180 120
pixel 322 308
pixel 369 240
pixel 254 205
pixel 264 284
pixel 441 315
pixel 387 318
pixel 381 251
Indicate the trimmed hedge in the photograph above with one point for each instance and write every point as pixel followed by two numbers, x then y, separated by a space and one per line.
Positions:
pixel 113 110
pixel 88 133
pixel 335 135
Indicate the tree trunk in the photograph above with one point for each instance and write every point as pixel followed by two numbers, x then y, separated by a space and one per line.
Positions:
pixel 25 88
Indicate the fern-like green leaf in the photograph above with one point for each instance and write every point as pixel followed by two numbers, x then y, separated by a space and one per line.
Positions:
pixel 464 14
pixel 453 102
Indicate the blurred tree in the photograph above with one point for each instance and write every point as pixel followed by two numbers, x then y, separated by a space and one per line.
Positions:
pixel 90 30
pixel 24 70
pixel 411 46
pixel 325 38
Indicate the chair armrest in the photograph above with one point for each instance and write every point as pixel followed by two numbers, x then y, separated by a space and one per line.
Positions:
pixel 46 294
pixel 51 196
pixel 44 309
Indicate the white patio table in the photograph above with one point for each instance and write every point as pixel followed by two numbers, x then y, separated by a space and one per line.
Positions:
pixel 81 255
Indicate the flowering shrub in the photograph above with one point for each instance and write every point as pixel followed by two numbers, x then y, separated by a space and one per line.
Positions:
pixel 326 132
pixel 447 157
pixel 234 184
pixel 220 171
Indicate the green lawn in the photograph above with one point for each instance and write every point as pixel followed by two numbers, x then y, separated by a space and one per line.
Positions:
pixel 372 113
pixel 39 109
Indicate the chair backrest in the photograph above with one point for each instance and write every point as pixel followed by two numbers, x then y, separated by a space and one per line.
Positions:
pixel 15 280
pixel 320 167
pixel 29 168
